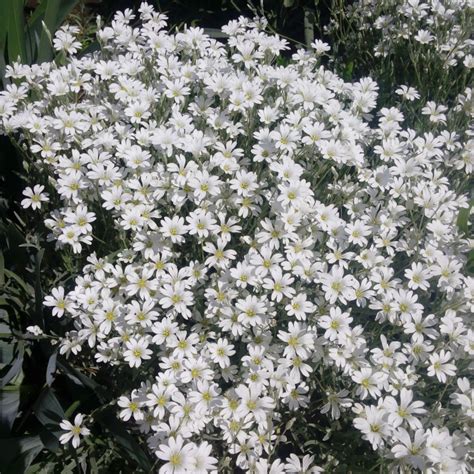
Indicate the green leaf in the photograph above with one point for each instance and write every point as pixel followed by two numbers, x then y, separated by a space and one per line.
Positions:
pixel 463 219
pixel 128 442
pixel 3 65
pixel 12 237
pixel 15 367
pixel 25 286
pixel 9 404
pixel 51 368
pixel 5 330
pixel 48 410
pixel 92 48
pixel 470 263
pixel 49 440
pixel 215 33
pixel 49 413
pixel 19 453
pixel 2 269
pixel 7 351
pixel 72 409
pixel 38 288
pixel 3 34
pixel 55 14
pixel 347 73
pixel 35 18
pixel 80 379
pixel 16 30
pixel 94 469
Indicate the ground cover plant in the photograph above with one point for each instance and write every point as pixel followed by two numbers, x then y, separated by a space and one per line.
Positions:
pixel 253 263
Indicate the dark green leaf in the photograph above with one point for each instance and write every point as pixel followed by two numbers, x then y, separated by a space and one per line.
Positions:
pixel 215 33
pixel 15 367
pixel 2 269
pixel 128 442
pixel 7 353
pixel 51 368
pixel 38 289
pixel 42 468
pixel 49 411
pixel 5 330
pixel 3 66
pixel 3 34
pixel 25 286
pixel 9 404
pixel 16 29
pixel 470 263
pixel 55 14
pixel 35 19
pixel 72 409
pixel 463 219
pixel 19 453
pixel 348 70
pixel 80 379
pixel 49 440
pixel 94 46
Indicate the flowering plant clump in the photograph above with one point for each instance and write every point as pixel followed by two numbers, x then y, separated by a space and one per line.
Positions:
pixel 443 26
pixel 276 243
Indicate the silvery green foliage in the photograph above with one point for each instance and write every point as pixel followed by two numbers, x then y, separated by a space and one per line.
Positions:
pixel 270 224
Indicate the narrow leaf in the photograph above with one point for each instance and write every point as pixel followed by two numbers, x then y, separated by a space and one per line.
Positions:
pixel 15 367
pixel 72 409
pixel 80 379
pixel 16 30
pixel 51 368
pixel 38 288
pixel 26 286
pixel 2 269
pixel 55 14
pixel 463 218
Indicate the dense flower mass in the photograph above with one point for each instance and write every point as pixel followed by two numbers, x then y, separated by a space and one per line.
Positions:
pixel 436 25
pixel 279 241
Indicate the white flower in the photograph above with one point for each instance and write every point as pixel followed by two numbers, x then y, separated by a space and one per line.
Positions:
pixel 57 301
pixel 440 366
pixel 336 324
pixel 130 408
pixel 35 330
pixel 203 462
pixel 370 382
pixel 73 431
pixel 252 401
pixel 412 451
pixel 417 277
pixel 34 197
pixel 179 456
pixel 137 351
pixel 221 351
pixel 405 410
pixel 373 425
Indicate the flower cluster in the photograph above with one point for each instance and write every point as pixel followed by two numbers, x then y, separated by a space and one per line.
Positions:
pixel 442 27
pixel 278 242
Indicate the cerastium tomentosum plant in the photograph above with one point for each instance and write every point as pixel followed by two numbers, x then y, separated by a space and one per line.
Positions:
pixel 277 243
